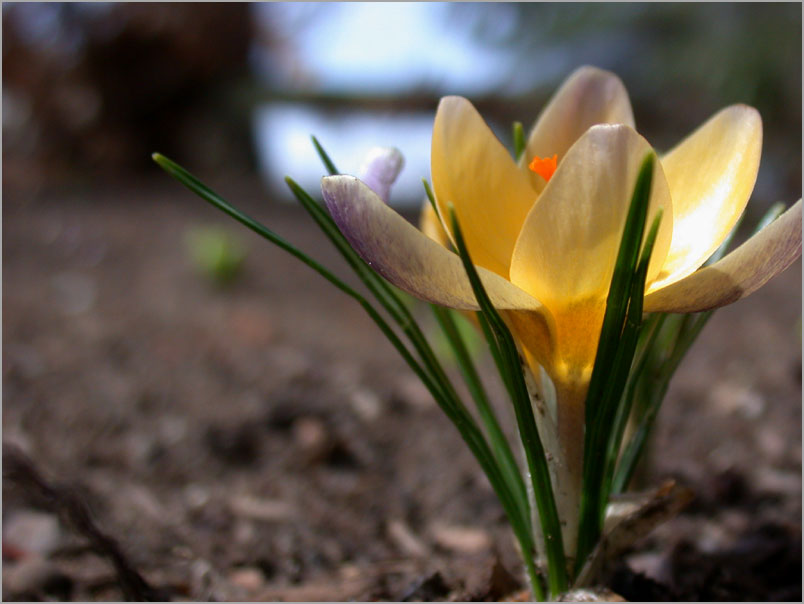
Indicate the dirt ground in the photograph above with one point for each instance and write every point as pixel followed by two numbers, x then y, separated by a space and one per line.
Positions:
pixel 264 442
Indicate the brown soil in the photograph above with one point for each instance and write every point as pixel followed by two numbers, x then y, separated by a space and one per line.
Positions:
pixel 264 442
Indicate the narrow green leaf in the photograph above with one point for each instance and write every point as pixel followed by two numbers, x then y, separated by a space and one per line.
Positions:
pixel 499 442
pixel 444 396
pixel 386 294
pixel 500 337
pixel 655 393
pixel 617 300
pixel 655 383
pixel 519 140
pixel 648 334
pixel 388 298
pixel 401 314
pixel 324 157
pixel 776 210
pixel 430 197
pixel 207 194
pixel 381 291
pixel 609 361
pixel 624 361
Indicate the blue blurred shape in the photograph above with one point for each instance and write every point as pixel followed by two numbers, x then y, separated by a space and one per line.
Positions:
pixel 379 48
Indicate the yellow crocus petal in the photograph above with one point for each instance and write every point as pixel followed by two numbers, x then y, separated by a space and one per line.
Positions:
pixel 739 273
pixel 420 266
pixel 430 225
pixel 566 252
pixel 472 170
pixel 711 175
pixel 589 96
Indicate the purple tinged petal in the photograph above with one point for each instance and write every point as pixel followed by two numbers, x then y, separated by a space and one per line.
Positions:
pixel 380 170
pixel 405 256
pixel 420 266
pixel 739 273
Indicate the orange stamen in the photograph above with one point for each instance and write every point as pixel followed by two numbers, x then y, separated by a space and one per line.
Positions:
pixel 544 167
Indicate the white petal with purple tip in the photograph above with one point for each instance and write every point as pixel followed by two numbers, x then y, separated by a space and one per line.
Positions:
pixel 739 273
pixel 405 256
pixel 380 170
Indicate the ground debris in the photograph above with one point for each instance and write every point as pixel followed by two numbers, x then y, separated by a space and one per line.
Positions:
pixel 590 595
pixel 31 532
pixel 235 445
pixel 18 469
pixel 629 520
pixel 34 579
pixel 461 539
pixel 426 589
pixel 405 539
pixel 490 581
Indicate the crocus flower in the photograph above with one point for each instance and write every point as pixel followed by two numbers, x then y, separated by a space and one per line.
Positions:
pixel 544 233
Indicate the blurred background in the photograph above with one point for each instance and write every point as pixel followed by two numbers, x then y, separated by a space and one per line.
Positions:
pixel 244 430
pixel 91 89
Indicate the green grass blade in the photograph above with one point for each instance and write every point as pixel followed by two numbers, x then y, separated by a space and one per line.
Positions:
pixel 381 291
pixel 499 442
pixel 445 397
pixel 625 356
pixel 195 185
pixel 534 451
pixel 398 310
pixel 401 314
pixel 430 197
pixel 656 393
pixel 688 331
pixel 199 188
pixel 649 332
pixel 519 140
pixel 378 286
pixel 468 430
pixel 776 210
pixel 618 379
pixel 325 159
pixel 618 296
pixel 608 362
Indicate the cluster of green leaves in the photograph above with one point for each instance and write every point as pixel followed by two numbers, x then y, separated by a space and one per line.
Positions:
pixel 606 409
pixel 663 342
pixel 618 340
pixel 506 357
pixel 488 444
pixel 636 358
pixel 633 366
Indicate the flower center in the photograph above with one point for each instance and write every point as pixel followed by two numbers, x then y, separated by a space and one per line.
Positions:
pixel 544 167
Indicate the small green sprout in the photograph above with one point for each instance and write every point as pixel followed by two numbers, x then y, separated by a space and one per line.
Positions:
pixel 216 253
